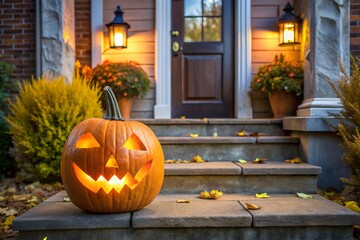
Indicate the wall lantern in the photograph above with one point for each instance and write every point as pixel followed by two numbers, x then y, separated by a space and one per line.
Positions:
pixel 118 30
pixel 289 26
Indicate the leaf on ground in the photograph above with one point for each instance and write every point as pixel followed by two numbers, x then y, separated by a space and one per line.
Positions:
pixel 261 195
pixel 22 197
pixel 8 212
pixel 242 161
pixel 183 201
pixel 9 220
pixel 170 161
pixel 303 195
pixel 259 160
pixel 296 160
pixel 193 135
pixel 198 159
pixel 251 206
pixel 352 205
pixel 213 194
pixel 66 199
pixel 33 199
pixel 183 117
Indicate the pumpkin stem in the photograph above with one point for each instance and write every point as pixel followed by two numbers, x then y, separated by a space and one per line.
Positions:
pixel 112 107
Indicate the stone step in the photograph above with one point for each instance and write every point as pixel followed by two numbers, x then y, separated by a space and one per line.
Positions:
pixel 280 217
pixel 232 177
pixel 206 127
pixel 274 148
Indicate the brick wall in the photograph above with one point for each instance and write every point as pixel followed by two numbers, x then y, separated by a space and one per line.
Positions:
pixel 83 31
pixel 355 27
pixel 17 41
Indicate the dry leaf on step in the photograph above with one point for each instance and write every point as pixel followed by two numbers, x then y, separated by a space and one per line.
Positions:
pixel 213 194
pixel 303 195
pixel 259 160
pixel 294 160
pixel 193 135
pixel 242 161
pixel 242 133
pixel 261 195
pixel 183 201
pixel 251 206
pixel 198 159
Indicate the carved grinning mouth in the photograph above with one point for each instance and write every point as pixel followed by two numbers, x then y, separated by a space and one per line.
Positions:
pixel 114 182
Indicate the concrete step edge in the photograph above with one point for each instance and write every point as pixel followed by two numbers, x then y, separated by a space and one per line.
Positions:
pixel 229 140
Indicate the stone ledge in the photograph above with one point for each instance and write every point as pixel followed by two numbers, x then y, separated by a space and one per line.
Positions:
pixel 309 124
pixel 280 210
pixel 210 121
pixel 273 168
pixel 207 168
pixel 228 140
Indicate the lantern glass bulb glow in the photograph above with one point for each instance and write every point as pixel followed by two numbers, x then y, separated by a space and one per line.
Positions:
pixel 119 39
pixel 289 33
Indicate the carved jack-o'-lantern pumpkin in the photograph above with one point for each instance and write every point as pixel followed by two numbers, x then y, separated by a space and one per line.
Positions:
pixel 112 165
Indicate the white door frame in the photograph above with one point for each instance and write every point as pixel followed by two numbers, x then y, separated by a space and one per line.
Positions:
pixel 162 108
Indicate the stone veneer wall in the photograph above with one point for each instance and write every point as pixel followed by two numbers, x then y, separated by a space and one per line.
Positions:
pixel 83 31
pixel 355 27
pixel 17 41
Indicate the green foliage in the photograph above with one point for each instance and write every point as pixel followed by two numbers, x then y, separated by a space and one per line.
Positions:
pixel 41 118
pixel 7 164
pixel 347 90
pixel 126 79
pixel 279 75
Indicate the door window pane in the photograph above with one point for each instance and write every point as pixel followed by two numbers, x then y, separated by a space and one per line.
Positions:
pixel 193 8
pixel 212 29
pixel 212 7
pixel 193 29
pixel 203 21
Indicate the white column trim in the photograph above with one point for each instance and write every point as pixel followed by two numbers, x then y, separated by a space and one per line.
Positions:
pixel 242 46
pixel 162 107
pixel 96 31
pixel 242 59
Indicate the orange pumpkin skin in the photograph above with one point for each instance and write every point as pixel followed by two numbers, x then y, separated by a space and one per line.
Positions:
pixel 112 158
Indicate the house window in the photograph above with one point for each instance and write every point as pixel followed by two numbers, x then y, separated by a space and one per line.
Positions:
pixel 203 21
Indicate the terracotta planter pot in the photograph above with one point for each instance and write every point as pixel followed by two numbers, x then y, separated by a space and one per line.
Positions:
pixel 125 105
pixel 284 104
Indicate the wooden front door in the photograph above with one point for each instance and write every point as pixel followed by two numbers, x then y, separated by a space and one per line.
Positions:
pixel 202 59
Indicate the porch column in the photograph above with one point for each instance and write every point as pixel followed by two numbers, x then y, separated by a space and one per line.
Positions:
pixel 329 41
pixel 57 37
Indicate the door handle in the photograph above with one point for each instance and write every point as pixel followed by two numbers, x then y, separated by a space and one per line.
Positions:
pixel 176 47
pixel 175 33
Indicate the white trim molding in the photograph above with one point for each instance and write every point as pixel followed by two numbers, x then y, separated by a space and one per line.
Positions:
pixel 96 31
pixel 242 56
pixel 162 107
pixel 242 59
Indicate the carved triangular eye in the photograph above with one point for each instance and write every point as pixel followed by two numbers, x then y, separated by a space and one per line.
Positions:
pixel 134 143
pixel 87 141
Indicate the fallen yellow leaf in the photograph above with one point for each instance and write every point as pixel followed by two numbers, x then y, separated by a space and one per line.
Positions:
pixel 183 201
pixel 214 194
pixel 9 220
pixel 66 199
pixel 242 133
pixel 294 160
pixel 182 117
pixel 352 205
pixel 259 160
pixel 198 159
pixel 251 206
pixel 194 135
pixel 303 195
pixel 242 161
pixel 261 195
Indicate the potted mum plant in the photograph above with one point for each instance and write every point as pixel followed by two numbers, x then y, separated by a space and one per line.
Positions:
pixel 282 81
pixel 127 79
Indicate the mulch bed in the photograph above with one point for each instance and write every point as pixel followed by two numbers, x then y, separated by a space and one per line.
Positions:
pixel 15 199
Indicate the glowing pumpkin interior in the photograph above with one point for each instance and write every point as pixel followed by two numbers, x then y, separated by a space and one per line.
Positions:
pixel 132 143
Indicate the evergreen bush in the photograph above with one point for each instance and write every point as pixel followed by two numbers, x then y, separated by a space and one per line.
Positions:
pixel 41 118
pixel 347 90
pixel 7 163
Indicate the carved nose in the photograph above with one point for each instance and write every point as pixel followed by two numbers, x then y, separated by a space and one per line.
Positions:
pixel 112 162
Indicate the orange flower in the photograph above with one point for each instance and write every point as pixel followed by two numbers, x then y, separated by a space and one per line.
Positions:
pixel 291 75
pixel 125 94
pixel 77 64
pixel 258 80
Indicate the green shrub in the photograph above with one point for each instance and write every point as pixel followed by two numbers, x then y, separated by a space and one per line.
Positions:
pixel 347 90
pixel 7 163
pixel 42 116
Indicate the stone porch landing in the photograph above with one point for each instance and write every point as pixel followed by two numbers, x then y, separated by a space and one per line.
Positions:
pixel 283 216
